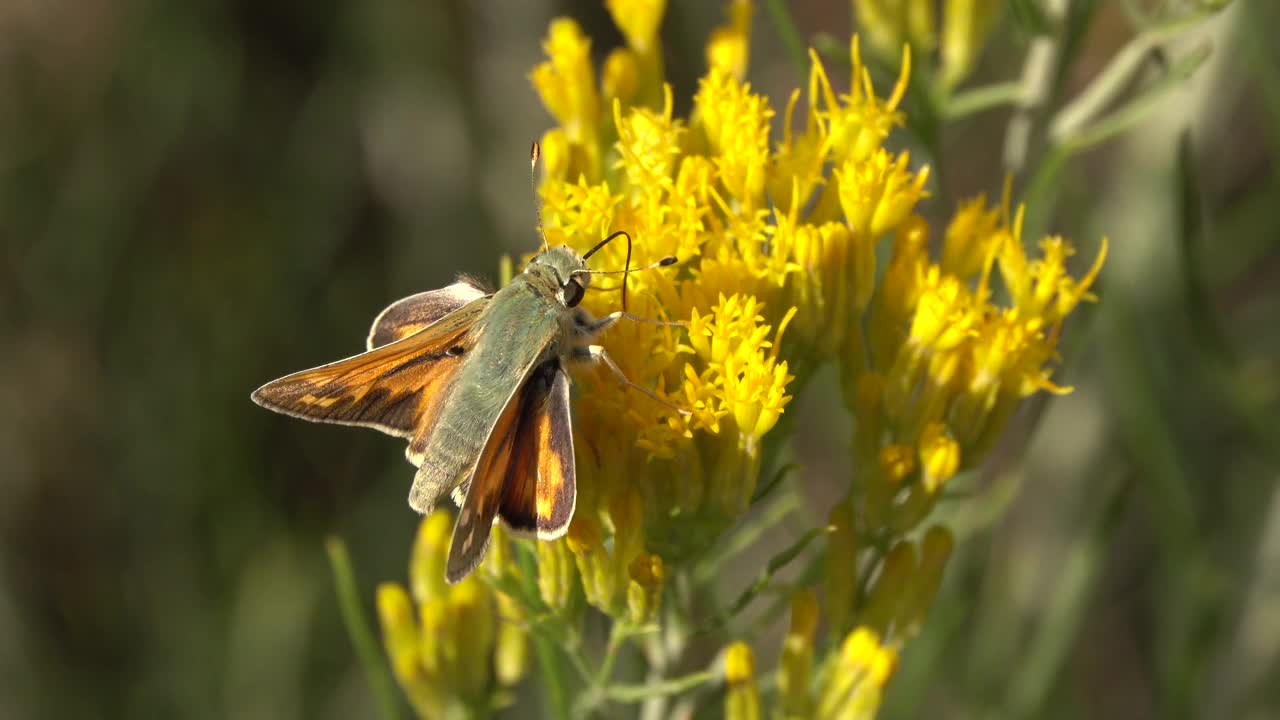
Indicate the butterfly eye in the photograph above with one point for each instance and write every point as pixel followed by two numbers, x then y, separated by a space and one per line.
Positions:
pixel 572 291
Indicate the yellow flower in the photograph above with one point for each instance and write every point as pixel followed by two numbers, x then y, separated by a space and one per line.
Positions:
pixel 797 656
pixel 736 123
pixel 644 594
pixel 649 143
pixel 800 240
pixel 447 652
pixel 965 28
pixel 566 81
pixel 638 20
pixel 728 45
pixel 878 194
pixel 855 685
pixel 742 698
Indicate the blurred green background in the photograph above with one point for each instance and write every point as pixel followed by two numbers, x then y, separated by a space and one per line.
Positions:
pixel 198 197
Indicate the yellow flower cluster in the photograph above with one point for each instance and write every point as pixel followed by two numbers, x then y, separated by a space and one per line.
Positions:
pixel 773 236
pixel 451 646
pixel 798 244
pixel 653 482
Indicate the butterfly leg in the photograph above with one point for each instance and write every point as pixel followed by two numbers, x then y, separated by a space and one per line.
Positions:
pixel 596 353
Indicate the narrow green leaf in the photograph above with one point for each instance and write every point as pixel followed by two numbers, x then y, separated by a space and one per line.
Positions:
pixel 981 99
pixel 358 629
pixel 776 563
pixel 1210 337
pixel 674 686
pixel 785 470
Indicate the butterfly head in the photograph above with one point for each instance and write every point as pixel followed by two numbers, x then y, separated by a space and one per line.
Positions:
pixel 568 269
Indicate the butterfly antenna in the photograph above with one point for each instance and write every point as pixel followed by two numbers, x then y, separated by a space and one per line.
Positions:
pixel 534 153
pixel 627 266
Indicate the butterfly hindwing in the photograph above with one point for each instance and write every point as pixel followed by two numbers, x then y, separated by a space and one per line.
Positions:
pixel 475 518
pixel 409 315
pixel 394 388
pixel 540 489
pixel 557 483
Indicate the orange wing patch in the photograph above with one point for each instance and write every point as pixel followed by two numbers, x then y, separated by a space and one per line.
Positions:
pixel 395 388
pixel 541 490
pixel 557 483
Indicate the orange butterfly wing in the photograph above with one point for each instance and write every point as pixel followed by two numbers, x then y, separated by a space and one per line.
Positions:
pixel 525 474
pixel 395 388
pixel 481 494
pixel 541 488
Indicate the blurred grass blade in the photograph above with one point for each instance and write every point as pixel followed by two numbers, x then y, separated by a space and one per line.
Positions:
pixel 1029 18
pixel 796 48
pixel 1058 627
pixel 358 628
pixel 980 99
pixel 1192 236
pixel 1116 77
pixel 1137 110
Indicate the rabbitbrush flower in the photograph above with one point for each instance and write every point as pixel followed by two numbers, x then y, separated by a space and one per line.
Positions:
pixel 799 244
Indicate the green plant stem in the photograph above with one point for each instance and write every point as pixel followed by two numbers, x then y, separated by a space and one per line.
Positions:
pixel 554 684
pixel 674 686
pixel 618 634
pixel 1138 109
pixel 1038 74
pixel 367 649
pixel 1118 75
pixel 981 99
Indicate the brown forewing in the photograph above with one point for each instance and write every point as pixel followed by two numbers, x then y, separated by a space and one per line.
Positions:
pixel 394 388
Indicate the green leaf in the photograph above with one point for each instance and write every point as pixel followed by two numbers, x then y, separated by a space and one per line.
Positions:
pixel 359 630
pixel 776 563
